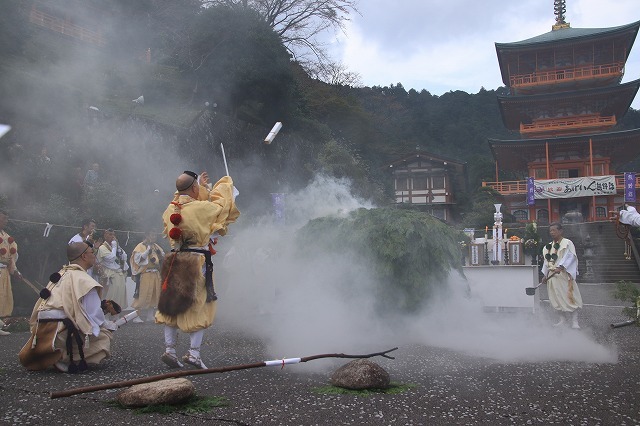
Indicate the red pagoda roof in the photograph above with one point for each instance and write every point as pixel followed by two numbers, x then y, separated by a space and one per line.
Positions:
pixel 566 37
pixel 622 147
pixel 606 101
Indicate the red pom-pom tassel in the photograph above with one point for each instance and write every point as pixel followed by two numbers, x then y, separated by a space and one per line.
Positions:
pixel 1 240
pixel 176 218
pixel 11 240
pixel 3 251
pixel 175 233
pixel 12 250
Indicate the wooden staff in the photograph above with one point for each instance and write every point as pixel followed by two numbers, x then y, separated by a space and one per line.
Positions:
pixel 280 362
pixel 29 283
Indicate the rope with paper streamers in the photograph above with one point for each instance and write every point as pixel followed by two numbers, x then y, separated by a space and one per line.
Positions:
pixel 49 226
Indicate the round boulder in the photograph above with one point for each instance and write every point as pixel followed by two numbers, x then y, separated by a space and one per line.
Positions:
pixel 361 374
pixel 168 391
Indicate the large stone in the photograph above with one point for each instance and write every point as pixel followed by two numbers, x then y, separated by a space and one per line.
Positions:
pixel 168 391
pixel 361 374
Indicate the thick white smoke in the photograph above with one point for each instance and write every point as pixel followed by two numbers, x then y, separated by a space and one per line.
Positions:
pixel 324 303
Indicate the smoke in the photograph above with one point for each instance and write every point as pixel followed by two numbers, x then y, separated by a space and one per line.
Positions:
pixel 301 306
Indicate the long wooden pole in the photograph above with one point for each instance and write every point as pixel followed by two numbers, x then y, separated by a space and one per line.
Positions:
pixel 127 383
pixel 29 283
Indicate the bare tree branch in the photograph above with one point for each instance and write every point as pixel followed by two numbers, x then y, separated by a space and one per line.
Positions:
pixel 300 23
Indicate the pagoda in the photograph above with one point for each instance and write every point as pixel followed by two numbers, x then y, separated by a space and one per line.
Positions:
pixel 565 98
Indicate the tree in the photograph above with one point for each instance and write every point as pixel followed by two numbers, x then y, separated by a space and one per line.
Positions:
pixel 240 63
pixel 334 73
pixel 300 23
pixel 411 253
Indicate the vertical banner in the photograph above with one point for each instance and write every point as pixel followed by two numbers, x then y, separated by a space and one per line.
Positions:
pixel 278 207
pixel 531 192
pixel 629 187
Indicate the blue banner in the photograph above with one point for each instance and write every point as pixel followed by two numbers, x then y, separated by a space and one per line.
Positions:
pixel 531 192
pixel 278 206
pixel 629 187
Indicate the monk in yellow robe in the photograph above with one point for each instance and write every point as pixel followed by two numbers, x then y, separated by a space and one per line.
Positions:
pixel 8 258
pixel 187 302
pixel 145 268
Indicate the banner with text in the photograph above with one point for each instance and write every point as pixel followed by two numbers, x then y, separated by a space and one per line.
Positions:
pixel 629 187
pixel 587 186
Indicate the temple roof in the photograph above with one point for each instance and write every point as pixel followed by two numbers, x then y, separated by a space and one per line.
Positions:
pixel 570 35
pixel 613 100
pixel 621 146
pixel 424 155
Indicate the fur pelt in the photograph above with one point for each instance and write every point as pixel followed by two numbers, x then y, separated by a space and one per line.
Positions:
pixel 180 293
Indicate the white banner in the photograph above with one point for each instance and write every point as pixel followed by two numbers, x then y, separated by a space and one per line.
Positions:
pixel 575 187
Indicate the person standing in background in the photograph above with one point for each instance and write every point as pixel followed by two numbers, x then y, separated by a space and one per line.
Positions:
pixel 8 258
pixel 113 261
pixel 87 234
pixel 145 268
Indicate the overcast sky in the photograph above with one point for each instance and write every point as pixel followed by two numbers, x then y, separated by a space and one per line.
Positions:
pixel 443 45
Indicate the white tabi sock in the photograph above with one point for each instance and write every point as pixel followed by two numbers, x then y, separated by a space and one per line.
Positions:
pixel 196 341
pixel 170 339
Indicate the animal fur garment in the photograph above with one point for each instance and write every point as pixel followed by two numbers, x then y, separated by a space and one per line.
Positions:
pixel 184 272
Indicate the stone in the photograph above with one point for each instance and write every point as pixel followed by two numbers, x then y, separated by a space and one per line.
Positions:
pixel 361 374
pixel 168 391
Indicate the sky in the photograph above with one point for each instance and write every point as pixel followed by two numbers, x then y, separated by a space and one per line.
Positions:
pixel 448 45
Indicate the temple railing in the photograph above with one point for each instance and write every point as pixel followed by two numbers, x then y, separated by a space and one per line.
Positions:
pixel 516 187
pixel 61 26
pixel 546 125
pixel 562 75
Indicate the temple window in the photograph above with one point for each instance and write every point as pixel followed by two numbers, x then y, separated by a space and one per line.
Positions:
pixel 420 183
pixel 542 215
pixel 402 184
pixel 437 182
pixel 521 215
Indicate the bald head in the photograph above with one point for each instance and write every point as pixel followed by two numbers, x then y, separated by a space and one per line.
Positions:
pixel 75 250
pixel 184 182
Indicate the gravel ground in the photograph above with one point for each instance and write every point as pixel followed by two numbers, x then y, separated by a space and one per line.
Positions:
pixel 450 388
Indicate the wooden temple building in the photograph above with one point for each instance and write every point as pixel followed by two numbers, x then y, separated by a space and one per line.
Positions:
pixel 565 98
pixel 428 182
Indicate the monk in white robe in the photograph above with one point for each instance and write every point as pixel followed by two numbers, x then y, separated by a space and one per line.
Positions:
pixel 560 271
pixel 114 267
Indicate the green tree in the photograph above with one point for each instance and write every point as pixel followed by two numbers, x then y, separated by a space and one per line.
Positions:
pixel 411 253
pixel 240 63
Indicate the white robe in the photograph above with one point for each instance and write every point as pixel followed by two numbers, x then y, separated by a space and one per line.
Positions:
pixel 562 287
pixel 630 216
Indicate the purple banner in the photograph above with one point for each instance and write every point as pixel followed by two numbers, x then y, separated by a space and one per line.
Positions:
pixel 629 187
pixel 278 206
pixel 531 192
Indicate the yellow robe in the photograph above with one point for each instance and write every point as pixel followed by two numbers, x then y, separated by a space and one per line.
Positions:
pixel 67 295
pixel 149 277
pixel 8 257
pixel 114 279
pixel 212 212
